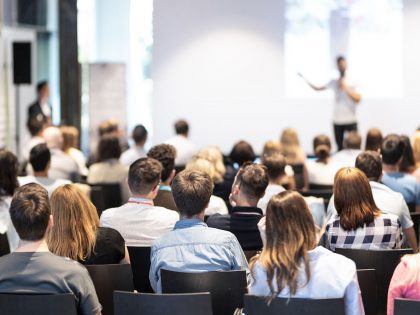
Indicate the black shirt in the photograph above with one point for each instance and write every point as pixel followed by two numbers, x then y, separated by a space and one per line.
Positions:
pixel 242 222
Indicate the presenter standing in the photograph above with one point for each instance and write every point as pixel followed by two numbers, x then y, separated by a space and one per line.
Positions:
pixel 346 99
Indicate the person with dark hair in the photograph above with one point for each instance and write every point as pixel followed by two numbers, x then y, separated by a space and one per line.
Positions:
pixel 41 109
pixel 204 248
pixel 242 152
pixel 185 149
pixel 248 188
pixel 352 145
pixel 407 164
pixel 373 140
pixel 33 268
pixel 137 151
pixel 346 100
pixel 36 128
pixel 392 151
pixel 165 154
pixel 387 200
pixel 139 221
pixel 108 168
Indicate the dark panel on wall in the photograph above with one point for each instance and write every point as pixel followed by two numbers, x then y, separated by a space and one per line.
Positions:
pixel 22 63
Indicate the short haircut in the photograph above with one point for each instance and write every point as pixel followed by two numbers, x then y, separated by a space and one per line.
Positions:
pixel 165 154
pixel 108 127
pixel 144 175
pixel 30 212
pixel 373 139
pixel 181 127
pixel 370 163
pixel 353 140
pixel 36 124
pixel 322 147
pixel 275 164
pixel 41 85
pixel 39 157
pixel 9 167
pixel 340 58
pixel 108 148
pixel 192 191
pixel 139 134
pixel 242 152
pixel 392 149
pixel 252 179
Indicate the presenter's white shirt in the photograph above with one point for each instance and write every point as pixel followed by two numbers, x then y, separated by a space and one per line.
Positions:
pixel 344 107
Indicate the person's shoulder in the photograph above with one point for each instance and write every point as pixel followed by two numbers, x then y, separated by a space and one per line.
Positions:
pixel 218 219
pixel 166 212
pixel 325 256
pixel 108 213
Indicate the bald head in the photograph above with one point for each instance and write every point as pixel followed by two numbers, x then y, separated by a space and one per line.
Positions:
pixel 53 137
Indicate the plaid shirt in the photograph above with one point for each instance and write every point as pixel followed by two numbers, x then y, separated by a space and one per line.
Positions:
pixel 383 233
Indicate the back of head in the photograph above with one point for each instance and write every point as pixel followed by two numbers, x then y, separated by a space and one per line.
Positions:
pixel 416 148
pixel 407 164
pixel 40 86
pixel 275 164
pixel 165 154
pixel 144 175
pixel 181 127
pixel 36 125
pixel 108 127
pixel 271 147
pixel 39 157
pixel 192 191
pixel 252 180
pixel 76 221
pixel 353 141
pixel 373 140
pixel 201 165
pixel 8 173
pixel 53 137
pixel 290 231
pixel 392 149
pixel 108 148
pixel 214 156
pixel 70 137
pixel 242 152
pixel 30 212
pixel 322 147
pixel 290 143
pixel 139 135
pixel 370 163
pixel 353 199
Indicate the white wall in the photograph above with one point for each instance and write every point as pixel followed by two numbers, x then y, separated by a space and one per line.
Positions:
pixel 219 64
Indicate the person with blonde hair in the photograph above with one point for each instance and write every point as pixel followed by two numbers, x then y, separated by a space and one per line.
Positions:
pixel 215 157
pixel 416 148
pixel 71 147
pixel 359 224
pixel 292 265
pixel 216 204
pixel 76 233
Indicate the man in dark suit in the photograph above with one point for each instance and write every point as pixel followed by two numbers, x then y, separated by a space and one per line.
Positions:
pixel 40 109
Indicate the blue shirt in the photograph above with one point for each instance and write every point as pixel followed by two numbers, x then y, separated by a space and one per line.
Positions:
pixel 405 184
pixel 193 246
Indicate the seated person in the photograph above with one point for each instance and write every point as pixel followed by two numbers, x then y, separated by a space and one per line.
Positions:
pixel 292 265
pixel 36 129
pixel 359 224
pixel 137 150
pixel 139 221
pixel 165 154
pixel 192 246
pixel 76 233
pixel 185 149
pixel 40 160
pixel 248 188
pixel 392 150
pixel 32 268
pixel 352 148
pixel 373 140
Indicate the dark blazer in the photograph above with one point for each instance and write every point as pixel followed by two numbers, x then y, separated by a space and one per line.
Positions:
pixel 35 110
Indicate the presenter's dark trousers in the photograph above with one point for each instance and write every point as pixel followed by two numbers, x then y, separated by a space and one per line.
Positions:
pixel 339 131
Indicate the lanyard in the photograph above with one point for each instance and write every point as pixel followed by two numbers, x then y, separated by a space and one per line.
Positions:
pixel 140 201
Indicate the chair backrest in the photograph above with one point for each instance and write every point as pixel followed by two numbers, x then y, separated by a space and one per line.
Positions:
pixel 320 187
pixel 383 261
pixel 411 206
pixel 227 288
pixel 107 279
pixel 406 307
pixel 162 304
pixel 249 254
pixel 299 179
pixel 106 195
pixel 368 287
pixel 415 216
pixel 46 304
pixel 140 265
pixel 4 244
pixel 256 305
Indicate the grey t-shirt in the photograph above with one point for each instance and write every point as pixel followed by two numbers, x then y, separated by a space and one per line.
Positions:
pixel 44 272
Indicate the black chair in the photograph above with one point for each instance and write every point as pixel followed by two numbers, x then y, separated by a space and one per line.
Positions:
pixel 162 304
pixel 105 196
pixel 46 304
pixel 320 187
pixel 227 288
pixel 415 216
pixel 406 307
pixel 4 244
pixel 257 305
pixel 368 287
pixel 299 177
pixel 383 261
pixel 249 254
pixel 411 206
pixel 107 279
pixel 319 193
pixel 140 265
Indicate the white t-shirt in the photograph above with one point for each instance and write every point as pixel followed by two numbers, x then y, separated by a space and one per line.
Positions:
pixel 216 205
pixel 270 191
pixel 321 173
pixel 185 150
pixel 132 154
pixel 345 158
pixel 50 184
pixel 345 107
pixel 6 225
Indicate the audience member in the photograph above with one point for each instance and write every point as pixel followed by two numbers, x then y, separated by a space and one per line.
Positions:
pixel 8 185
pixel 139 221
pixel 71 147
pixel 292 265
pixel 373 140
pixel 36 129
pixel 359 224
pixel 392 151
pixel 185 149
pixel 216 204
pixel 165 154
pixel 137 150
pixel 416 148
pixel 76 232
pixel 33 268
pixel 40 161
pixel 200 248
pixel 241 153
pixel 408 164
pixel 352 148
pixel 248 188
pixel 108 168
